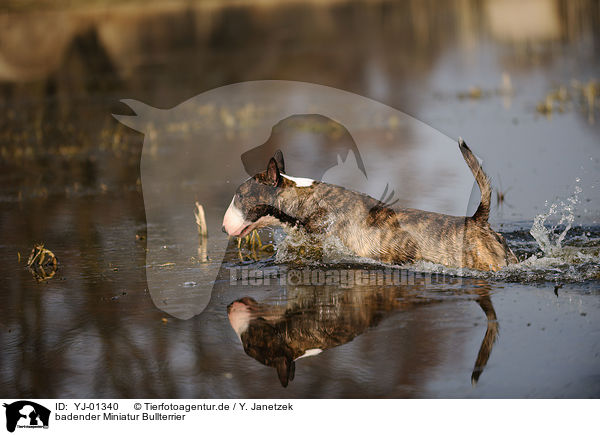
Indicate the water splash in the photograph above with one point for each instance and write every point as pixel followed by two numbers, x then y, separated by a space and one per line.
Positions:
pixel 302 248
pixel 548 240
pixel 570 253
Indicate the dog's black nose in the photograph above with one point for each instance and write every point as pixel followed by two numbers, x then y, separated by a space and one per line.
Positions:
pixel 223 229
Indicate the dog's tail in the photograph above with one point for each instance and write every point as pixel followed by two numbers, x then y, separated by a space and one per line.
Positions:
pixel 483 211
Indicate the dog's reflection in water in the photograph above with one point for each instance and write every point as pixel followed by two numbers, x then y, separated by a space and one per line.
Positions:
pixel 319 318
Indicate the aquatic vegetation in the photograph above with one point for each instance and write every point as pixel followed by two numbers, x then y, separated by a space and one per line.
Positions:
pixel 474 93
pixel 42 263
pixel 251 247
pixel 583 97
pixel 555 100
pixel 501 193
pixel 477 92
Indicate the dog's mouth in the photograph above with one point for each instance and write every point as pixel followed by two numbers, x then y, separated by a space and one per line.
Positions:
pixel 247 229
pixel 260 223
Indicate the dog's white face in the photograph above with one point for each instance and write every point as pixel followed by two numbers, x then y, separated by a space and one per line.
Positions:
pixel 239 316
pixel 234 222
pixel 257 202
pixel 253 205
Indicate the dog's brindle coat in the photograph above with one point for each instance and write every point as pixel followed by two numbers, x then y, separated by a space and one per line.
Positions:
pixel 367 226
pixel 278 336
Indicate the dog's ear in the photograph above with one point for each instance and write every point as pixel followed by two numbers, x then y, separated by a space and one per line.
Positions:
pixel 273 174
pixel 278 156
pixel 285 370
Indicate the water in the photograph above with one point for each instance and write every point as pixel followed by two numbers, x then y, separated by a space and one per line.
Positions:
pixel 549 242
pixel 70 179
pixel 548 252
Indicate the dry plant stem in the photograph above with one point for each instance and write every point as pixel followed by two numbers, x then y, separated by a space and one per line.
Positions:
pixel 202 233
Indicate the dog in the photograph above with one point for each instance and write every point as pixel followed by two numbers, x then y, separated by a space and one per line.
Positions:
pixel 316 319
pixel 278 336
pixel 369 227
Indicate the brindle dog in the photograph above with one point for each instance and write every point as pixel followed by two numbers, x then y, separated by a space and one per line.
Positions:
pixel 366 226
pixel 319 318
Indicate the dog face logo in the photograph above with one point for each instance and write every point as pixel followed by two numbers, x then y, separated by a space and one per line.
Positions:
pixel 203 149
pixel 26 414
pixel 294 135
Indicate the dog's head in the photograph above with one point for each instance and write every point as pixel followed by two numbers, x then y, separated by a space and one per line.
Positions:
pixel 257 201
pixel 261 339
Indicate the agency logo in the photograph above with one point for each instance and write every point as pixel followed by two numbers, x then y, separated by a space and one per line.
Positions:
pixel 198 153
pixel 25 414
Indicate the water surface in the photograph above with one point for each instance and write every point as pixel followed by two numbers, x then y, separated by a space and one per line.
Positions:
pixel 70 179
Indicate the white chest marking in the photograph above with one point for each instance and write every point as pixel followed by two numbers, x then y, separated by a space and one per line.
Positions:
pixel 300 182
pixel 310 352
